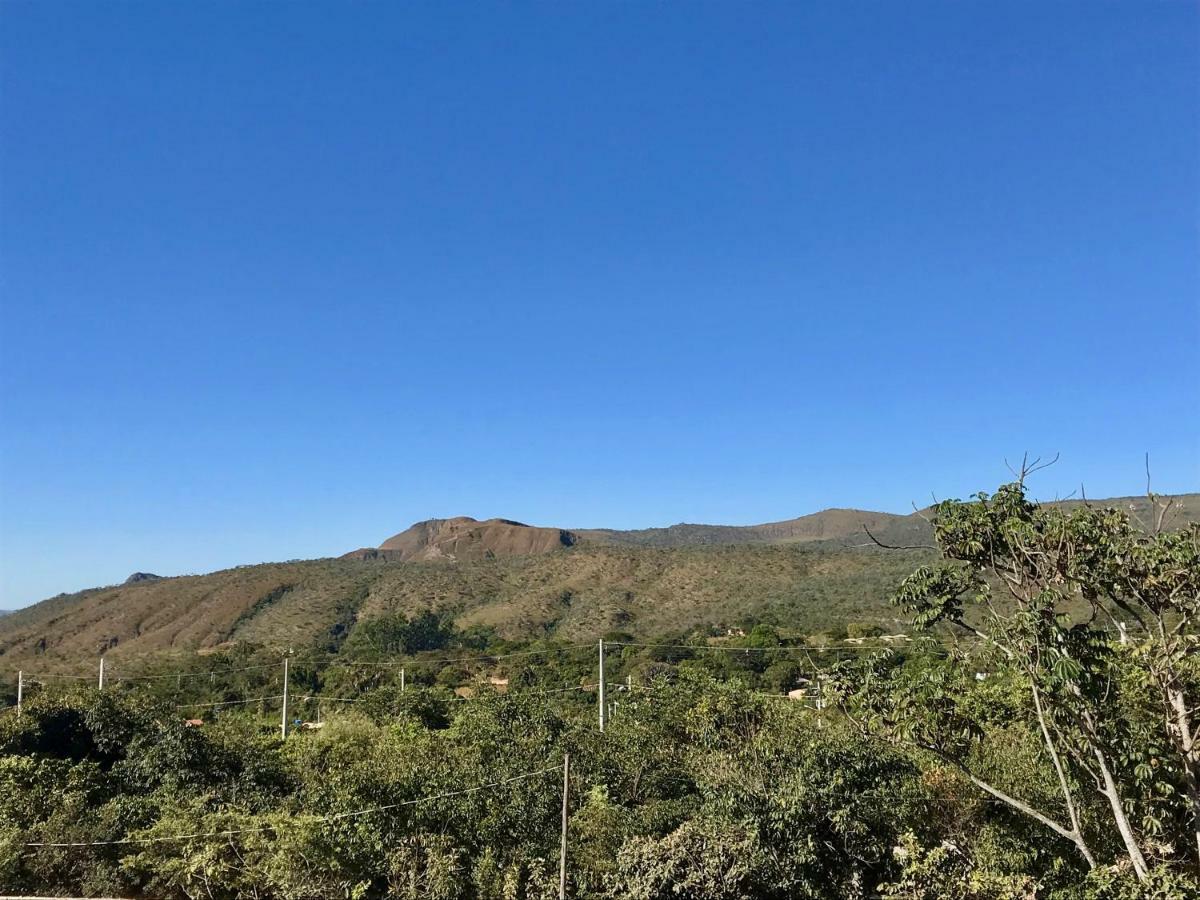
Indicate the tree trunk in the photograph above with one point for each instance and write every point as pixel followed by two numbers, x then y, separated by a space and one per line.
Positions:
pixel 1068 797
pixel 1119 814
pixel 1092 735
pixel 1185 742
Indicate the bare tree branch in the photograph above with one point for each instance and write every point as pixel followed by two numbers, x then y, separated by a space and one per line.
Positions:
pixel 879 543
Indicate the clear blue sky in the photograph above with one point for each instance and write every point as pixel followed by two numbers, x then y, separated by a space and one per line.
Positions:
pixel 279 279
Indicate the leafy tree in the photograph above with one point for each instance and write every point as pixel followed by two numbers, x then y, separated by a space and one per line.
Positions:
pixel 700 860
pixel 401 634
pixel 1088 621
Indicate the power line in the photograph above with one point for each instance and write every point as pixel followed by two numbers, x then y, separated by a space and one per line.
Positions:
pixel 564 690
pixel 228 702
pixel 417 660
pixel 193 674
pixel 855 648
pixel 318 819
pixel 505 694
pixel 336 662
pixel 310 697
pixel 333 662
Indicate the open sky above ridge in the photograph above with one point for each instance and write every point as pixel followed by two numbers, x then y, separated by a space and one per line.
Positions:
pixel 280 279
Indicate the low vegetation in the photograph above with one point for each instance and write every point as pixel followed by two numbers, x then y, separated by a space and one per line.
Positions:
pixel 1035 737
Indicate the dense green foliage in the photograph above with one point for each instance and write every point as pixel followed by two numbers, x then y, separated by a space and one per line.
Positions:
pixel 1050 755
pixel 691 774
pixel 1085 725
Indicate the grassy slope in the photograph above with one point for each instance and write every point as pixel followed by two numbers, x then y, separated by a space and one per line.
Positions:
pixel 644 584
pixel 576 593
pixel 839 527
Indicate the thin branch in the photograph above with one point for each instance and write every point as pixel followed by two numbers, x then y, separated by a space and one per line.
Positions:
pixel 1068 797
pixel 1013 471
pixel 1028 468
pixel 1000 795
pixel 1037 465
pixel 879 543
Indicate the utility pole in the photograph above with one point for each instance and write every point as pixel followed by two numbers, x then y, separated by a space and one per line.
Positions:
pixel 101 673
pixel 20 691
pixel 562 856
pixel 402 679
pixel 283 718
pixel 601 685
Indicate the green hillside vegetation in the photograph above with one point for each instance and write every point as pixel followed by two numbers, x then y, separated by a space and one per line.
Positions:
pixel 578 593
pixel 810 576
pixel 1033 738
pixel 843 528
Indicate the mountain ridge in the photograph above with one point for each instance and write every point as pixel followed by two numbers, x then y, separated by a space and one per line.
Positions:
pixel 463 537
pixel 519 580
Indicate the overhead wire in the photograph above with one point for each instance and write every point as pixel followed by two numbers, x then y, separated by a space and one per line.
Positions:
pixel 228 702
pixel 336 662
pixel 854 648
pixel 418 660
pixel 332 817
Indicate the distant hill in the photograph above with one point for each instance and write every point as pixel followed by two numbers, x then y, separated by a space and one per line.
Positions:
pixel 142 576
pixel 841 527
pixel 806 574
pixel 464 538
pixel 580 592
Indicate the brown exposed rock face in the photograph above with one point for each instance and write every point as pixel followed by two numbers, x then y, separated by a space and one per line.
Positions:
pixel 142 576
pixel 464 538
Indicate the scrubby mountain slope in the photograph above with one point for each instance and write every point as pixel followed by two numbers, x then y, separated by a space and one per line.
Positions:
pixel 806 574
pixel 579 593
pixel 842 527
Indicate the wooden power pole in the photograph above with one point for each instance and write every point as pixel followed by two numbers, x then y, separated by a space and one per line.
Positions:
pixel 283 718
pixel 601 684
pixel 562 856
